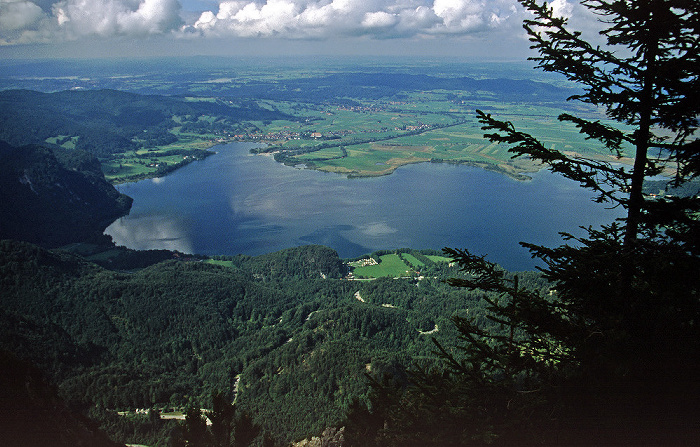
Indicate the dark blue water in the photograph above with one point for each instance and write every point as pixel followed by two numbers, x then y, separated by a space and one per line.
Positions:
pixel 234 202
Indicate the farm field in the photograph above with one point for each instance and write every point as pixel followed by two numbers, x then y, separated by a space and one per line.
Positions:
pixel 413 261
pixel 435 258
pixel 394 265
pixel 390 265
pixel 154 162
pixel 379 137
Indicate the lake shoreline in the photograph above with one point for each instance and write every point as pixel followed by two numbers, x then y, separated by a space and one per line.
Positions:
pixel 236 203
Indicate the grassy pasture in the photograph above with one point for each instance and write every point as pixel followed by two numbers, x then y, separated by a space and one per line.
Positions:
pixel 368 160
pixel 146 163
pixel 324 154
pixel 391 265
pixel 394 265
pixel 412 260
pixel 219 262
pixel 392 147
pixel 65 141
pixel 458 143
pixel 435 258
pixel 123 168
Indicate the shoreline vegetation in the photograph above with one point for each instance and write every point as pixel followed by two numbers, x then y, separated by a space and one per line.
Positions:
pixel 159 165
pixel 148 164
pixel 513 170
pixel 155 163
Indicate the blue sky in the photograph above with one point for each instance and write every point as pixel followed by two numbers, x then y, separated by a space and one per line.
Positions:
pixel 479 29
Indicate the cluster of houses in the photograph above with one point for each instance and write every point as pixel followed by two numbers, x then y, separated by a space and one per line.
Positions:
pixel 360 109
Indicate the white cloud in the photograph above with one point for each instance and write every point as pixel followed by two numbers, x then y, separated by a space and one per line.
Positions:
pixel 19 14
pixel 21 21
pixel 379 19
pixel 562 8
pixel 26 21
pixel 330 18
pixel 460 15
pixel 116 17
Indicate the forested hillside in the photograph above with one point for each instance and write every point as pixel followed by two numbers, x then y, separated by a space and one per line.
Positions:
pixel 296 346
pixel 104 122
pixel 55 197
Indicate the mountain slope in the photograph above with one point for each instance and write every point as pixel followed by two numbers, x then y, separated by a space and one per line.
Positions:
pixel 54 199
pixel 294 345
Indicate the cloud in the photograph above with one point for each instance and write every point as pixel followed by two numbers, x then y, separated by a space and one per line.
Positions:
pixel 333 18
pixel 117 17
pixel 379 19
pixel 27 21
pixel 562 8
pixel 460 16
pixel 24 21
pixel 20 21
pixel 18 14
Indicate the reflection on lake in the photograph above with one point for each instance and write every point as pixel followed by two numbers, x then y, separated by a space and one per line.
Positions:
pixel 234 202
pixel 147 232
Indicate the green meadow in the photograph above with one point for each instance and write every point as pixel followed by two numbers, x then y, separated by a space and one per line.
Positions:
pixel 413 261
pixel 391 265
pixel 380 136
pixel 395 265
pixel 153 162
pixel 439 258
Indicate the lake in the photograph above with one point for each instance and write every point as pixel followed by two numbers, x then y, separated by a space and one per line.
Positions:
pixel 234 202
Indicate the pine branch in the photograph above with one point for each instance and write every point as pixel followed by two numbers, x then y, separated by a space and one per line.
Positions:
pixel 579 169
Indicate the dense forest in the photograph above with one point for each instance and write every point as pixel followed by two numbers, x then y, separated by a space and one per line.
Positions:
pixel 292 347
pixel 55 197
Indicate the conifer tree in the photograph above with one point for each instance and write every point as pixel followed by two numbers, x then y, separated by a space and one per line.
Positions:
pixel 636 278
pixel 194 429
pixel 645 79
pixel 611 355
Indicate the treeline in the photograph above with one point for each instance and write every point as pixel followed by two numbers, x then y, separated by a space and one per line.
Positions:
pixel 347 87
pixel 668 188
pixel 308 262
